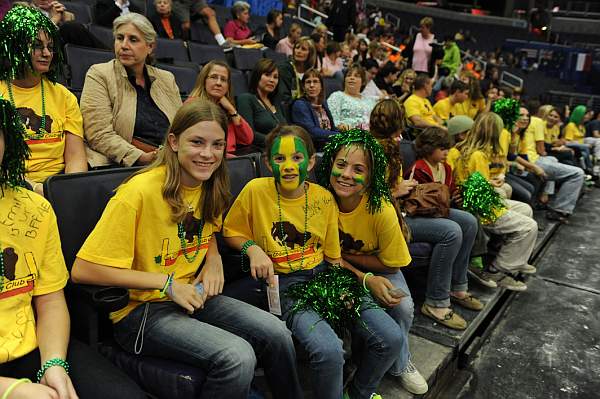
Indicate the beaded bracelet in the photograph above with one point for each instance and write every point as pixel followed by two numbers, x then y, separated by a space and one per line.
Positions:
pixel 51 363
pixel 15 385
pixel 365 281
pixel 245 247
pixel 167 287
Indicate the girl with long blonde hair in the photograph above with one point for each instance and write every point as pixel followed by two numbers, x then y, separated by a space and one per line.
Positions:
pixel 156 237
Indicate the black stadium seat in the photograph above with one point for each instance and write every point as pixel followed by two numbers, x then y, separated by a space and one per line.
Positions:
pixel 105 35
pixel 170 50
pixel 331 85
pixel 82 11
pixel 204 53
pixel 274 55
pixel 80 59
pixel 185 76
pixel 200 33
pixel 245 58
pixel 238 82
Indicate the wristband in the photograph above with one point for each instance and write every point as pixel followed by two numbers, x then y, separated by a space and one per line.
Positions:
pixel 14 385
pixel 365 281
pixel 244 249
pixel 167 287
pixel 51 363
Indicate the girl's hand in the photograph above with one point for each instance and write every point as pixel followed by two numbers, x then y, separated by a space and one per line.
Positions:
pixel 404 188
pixel 227 106
pixel 211 276
pixel 539 172
pixel 380 289
pixel 58 379
pixel 261 266
pixel 457 197
pixel 186 296
pixel 34 391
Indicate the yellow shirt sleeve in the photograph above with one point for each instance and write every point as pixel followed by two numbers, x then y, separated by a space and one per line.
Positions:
pixel 453 155
pixel 393 251
pixel 73 118
pixel 442 109
pixel 412 106
pixel 332 239
pixel 238 222
pixel 572 133
pixel 479 162
pixel 53 273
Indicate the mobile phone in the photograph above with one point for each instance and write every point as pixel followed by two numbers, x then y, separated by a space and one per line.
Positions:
pixel 397 292
pixel 199 289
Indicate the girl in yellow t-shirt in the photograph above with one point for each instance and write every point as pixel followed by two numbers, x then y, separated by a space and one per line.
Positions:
pixel 476 152
pixel 153 238
pixel 576 137
pixel 34 332
pixel 289 227
pixel 50 113
pixel 373 247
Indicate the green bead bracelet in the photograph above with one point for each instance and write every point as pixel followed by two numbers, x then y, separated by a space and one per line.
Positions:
pixel 51 363
pixel 245 247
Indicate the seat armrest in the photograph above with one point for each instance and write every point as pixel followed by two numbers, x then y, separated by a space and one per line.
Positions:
pixel 103 299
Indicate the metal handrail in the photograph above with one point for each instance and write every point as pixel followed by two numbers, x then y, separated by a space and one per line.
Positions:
pixel 308 21
pixel 512 76
pixel 389 17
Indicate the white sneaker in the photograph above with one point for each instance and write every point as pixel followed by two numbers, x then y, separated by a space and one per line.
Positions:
pixel 412 380
pixel 528 269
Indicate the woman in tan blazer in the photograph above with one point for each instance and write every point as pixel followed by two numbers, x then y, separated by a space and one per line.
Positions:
pixel 128 105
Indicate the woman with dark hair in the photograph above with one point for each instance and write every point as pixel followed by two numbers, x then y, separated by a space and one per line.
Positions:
pixel 257 106
pixel 214 84
pixel 350 108
pixel 236 30
pixel 272 33
pixel 311 111
pixel 304 57
pixel 362 51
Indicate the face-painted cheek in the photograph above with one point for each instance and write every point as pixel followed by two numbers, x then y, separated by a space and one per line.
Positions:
pixel 359 179
pixel 336 172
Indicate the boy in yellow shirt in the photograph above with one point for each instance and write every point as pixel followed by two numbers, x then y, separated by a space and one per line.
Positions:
pixel 448 107
pixel 418 109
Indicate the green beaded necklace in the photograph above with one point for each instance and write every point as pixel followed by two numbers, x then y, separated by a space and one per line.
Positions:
pixel 287 255
pixel 1 269
pixel 42 130
pixel 181 235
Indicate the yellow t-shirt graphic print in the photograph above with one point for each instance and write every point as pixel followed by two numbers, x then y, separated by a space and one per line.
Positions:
pixel 33 265
pixel 255 215
pixel 136 232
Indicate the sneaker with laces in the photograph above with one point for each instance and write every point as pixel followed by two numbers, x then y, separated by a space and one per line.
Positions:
pixel 507 281
pixel 482 277
pixel 412 380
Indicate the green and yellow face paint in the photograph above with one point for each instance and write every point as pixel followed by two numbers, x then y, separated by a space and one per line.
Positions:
pixel 282 161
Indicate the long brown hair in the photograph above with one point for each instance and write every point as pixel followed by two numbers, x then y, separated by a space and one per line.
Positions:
pixel 484 136
pixel 215 191
pixel 199 89
pixel 387 120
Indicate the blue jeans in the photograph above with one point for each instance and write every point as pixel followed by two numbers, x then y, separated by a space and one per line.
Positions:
pixel 403 314
pixel 453 240
pixel 572 179
pixel 380 334
pixel 585 152
pixel 224 339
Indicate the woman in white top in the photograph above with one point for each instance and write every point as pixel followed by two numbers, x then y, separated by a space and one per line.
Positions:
pixel 350 108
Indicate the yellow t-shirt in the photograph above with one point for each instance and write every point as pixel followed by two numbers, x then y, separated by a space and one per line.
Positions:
pixel 374 234
pixel 33 265
pixel 444 110
pixel 551 134
pixel 62 115
pixel 470 108
pixel 255 216
pixel 415 105
pixel 452 157
pixel 533 134
pixel 136 232
pixel 574 132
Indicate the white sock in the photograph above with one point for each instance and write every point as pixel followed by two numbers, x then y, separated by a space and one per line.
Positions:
pixel 219 38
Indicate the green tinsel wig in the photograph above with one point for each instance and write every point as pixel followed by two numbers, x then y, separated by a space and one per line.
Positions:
pixel 378 188
pixel 508 110
pixel 578 114
pixel 18 30
pixel 16 151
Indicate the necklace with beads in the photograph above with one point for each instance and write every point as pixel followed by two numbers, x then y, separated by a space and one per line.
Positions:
pixel 181 235
pixel 1 269
pixel 287 255
pixel 42 130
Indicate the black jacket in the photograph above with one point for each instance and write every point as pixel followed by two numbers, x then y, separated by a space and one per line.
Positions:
pixel 160 30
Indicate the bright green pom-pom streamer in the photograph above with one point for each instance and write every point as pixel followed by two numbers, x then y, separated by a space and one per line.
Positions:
pixel 508 110
pixel 480 198
pixel 378 188
pixel 16 150
pixel 334 295
pixel 18 30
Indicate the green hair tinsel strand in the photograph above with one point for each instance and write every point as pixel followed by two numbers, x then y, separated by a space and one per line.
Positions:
pixel 18 30
pixel 335 295
pixel 508 110
pixel 16 150
pixel 480 198
pixel 377 188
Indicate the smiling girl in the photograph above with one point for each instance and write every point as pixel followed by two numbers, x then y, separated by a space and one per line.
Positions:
pixel 153 237
pixel 289 227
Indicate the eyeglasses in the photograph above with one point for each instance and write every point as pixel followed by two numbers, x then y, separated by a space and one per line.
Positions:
pixel 39 46
pixel 217 78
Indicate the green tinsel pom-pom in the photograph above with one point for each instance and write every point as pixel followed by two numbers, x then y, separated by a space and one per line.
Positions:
pixel 334 295
pixel 508 110
pixel 18 30
pixel 16 150
pixel 480 198
pixel 378 190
